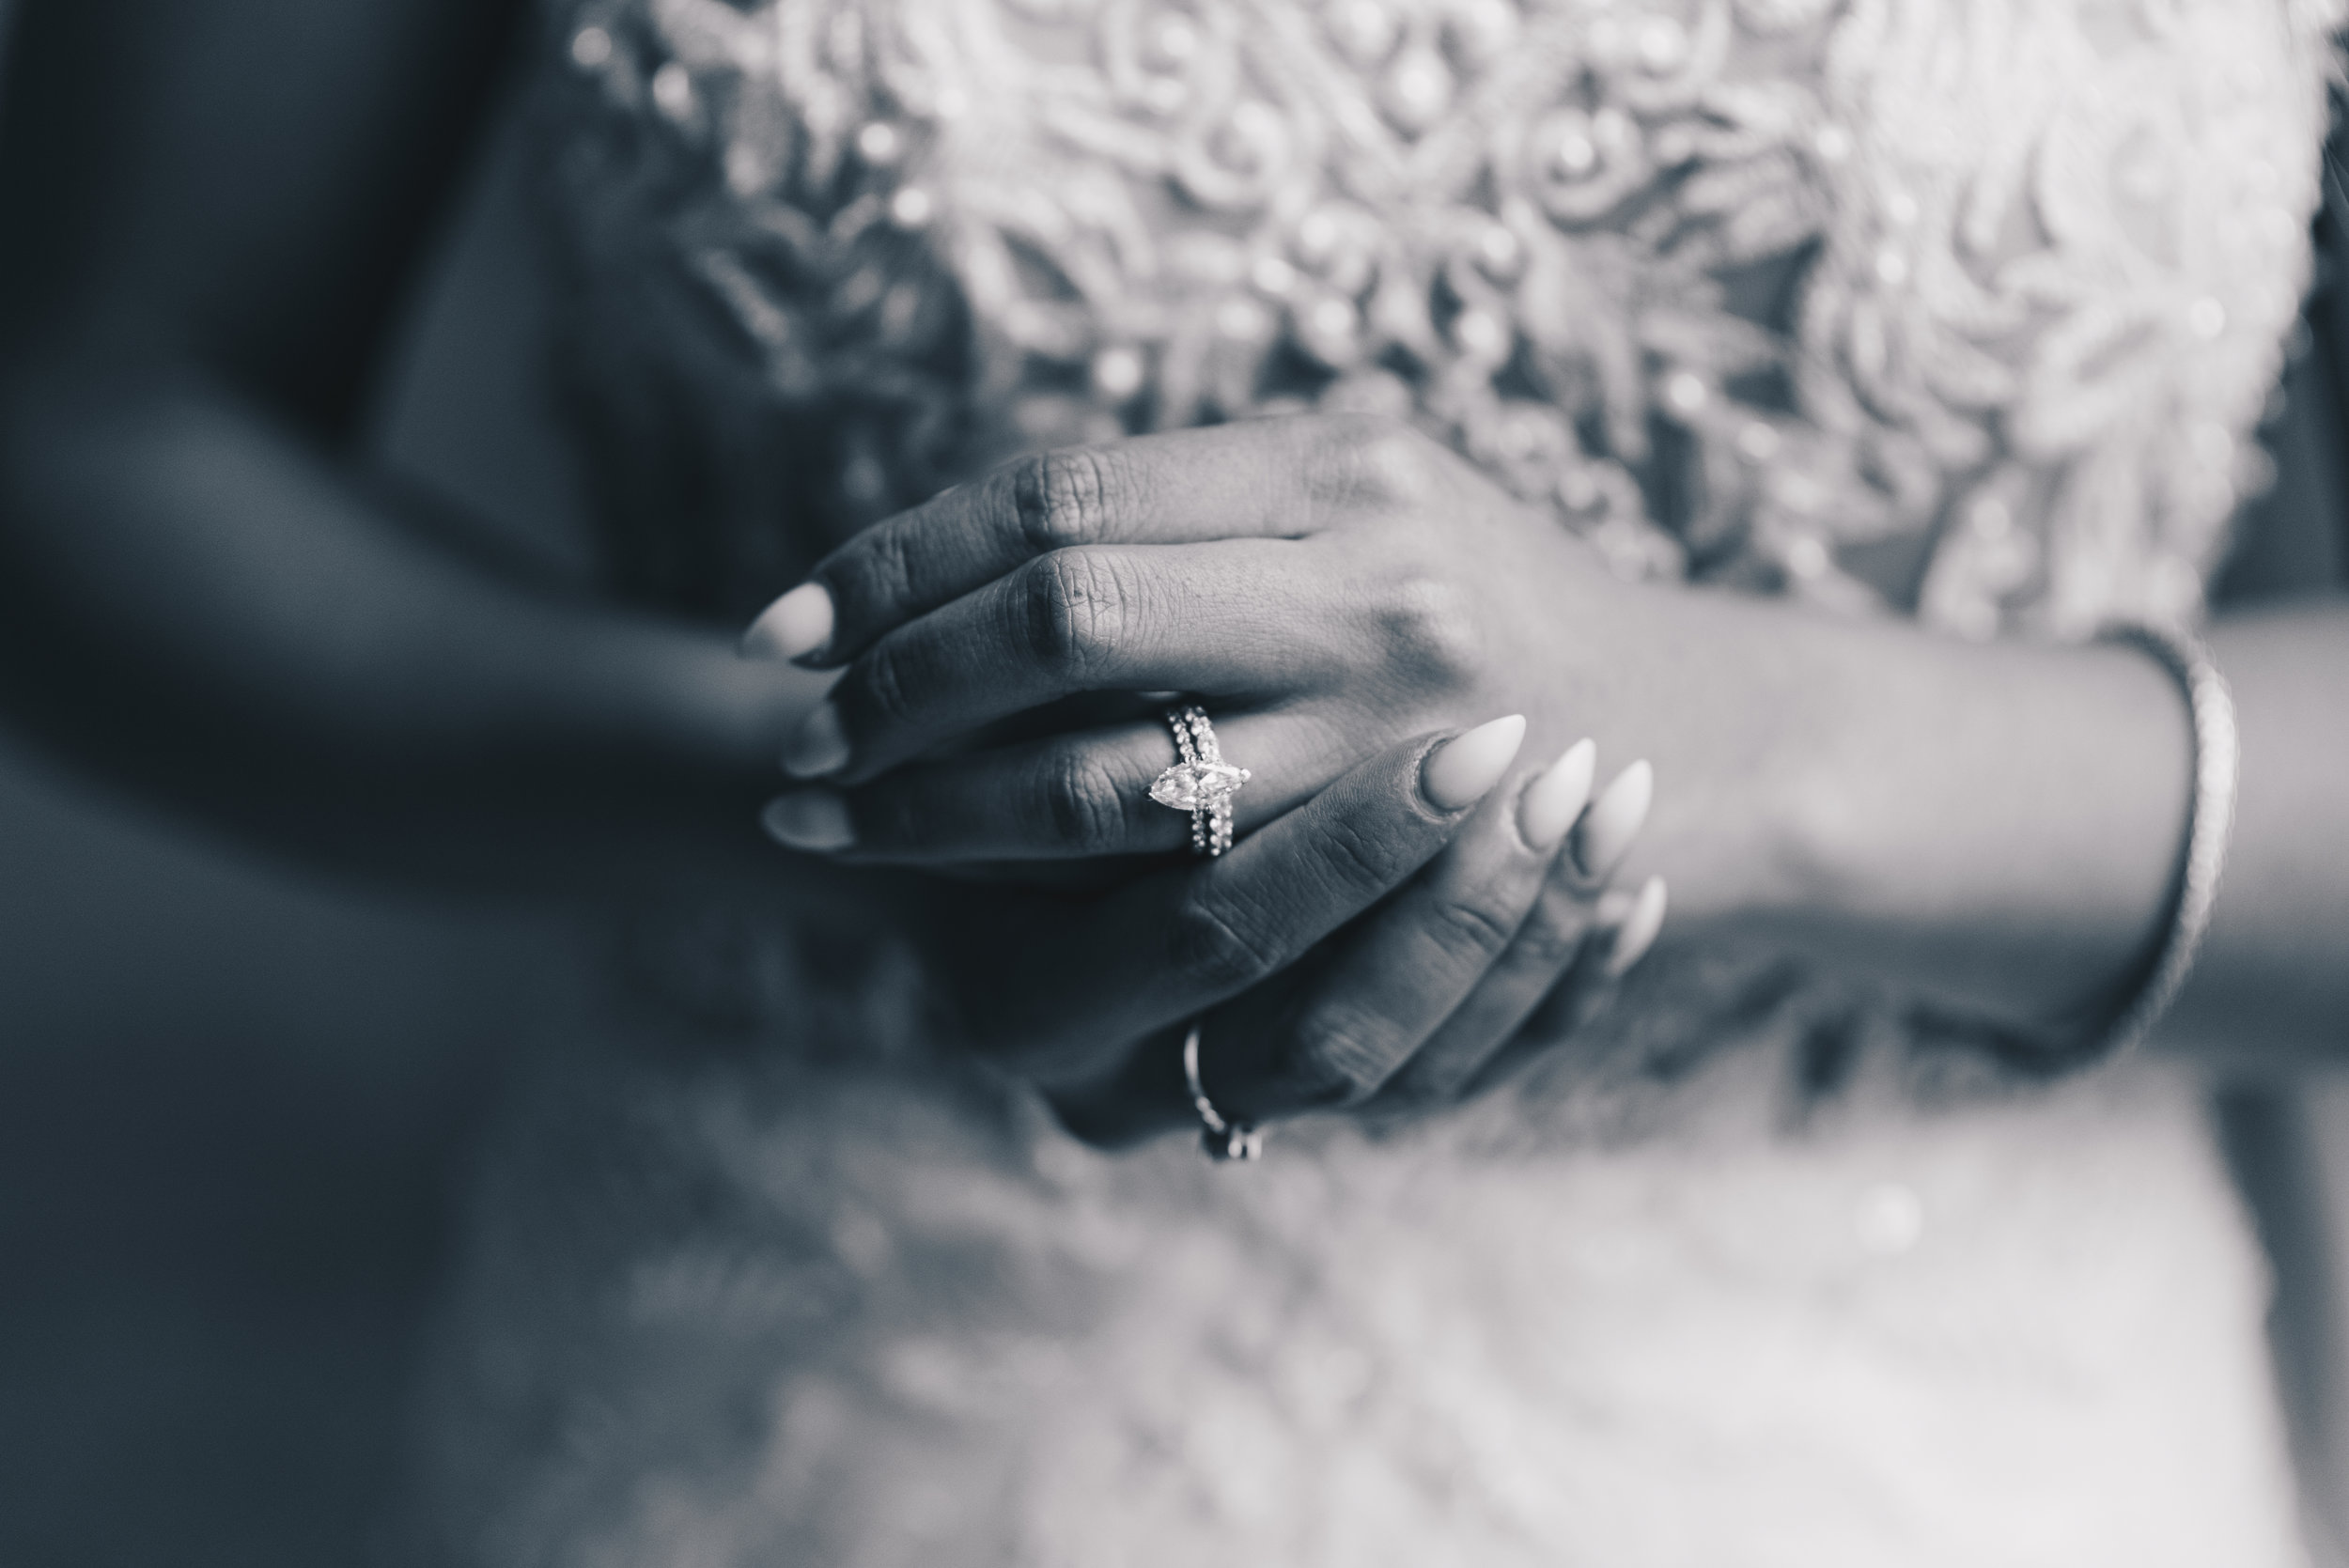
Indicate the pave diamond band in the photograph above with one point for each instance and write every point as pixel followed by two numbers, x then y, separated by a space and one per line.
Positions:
pixel 1201 782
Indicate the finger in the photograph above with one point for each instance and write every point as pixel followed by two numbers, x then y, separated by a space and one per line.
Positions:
pixel 1490 866
pixel 1544 949
pixel 1548 945
pixel 1274 478
pixel 1069 796
pixel 1624 925
pixel 1234 619
pixel 1636 933
pixel 1604 835
pixel 1171 945
pixel 1387 992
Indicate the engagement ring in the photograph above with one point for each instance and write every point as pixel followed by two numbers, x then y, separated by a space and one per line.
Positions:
pixel 1201 782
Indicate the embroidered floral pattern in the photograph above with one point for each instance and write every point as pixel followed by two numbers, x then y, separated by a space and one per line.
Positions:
pixel 1970 307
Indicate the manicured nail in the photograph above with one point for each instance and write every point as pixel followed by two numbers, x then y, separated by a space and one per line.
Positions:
pixel 1637 933
pixel 818 747
pixel 1464 769
pixel 816 820
pixel 1614 820
pixel 1557 796
pixel 793 626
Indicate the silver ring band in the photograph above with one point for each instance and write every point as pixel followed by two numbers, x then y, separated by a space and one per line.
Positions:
pixel 1220 1137
pixel 1201 782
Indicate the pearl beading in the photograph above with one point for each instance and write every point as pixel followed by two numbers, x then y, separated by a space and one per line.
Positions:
pixel 2034 261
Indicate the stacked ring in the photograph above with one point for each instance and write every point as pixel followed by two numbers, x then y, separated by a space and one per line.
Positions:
pixel 1201 782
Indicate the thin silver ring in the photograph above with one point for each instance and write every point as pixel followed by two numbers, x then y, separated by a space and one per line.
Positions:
pixel 1201 782
pixel 1220 1137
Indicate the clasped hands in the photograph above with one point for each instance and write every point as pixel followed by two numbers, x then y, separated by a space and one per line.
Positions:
pixel 1370 622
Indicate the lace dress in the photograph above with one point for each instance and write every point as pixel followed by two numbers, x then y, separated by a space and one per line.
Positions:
pixel 1964 309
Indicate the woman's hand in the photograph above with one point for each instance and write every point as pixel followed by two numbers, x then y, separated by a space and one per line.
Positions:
pixel 1991 827
pixel 1474 913
pixel 957 623
pixel 1323 586
pixel 1415 1005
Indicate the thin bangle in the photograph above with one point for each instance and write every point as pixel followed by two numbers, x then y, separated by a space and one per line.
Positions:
pixel 2209 829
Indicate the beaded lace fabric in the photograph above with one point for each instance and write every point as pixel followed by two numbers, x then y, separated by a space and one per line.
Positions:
pixel 1966 305
pixel 1959 308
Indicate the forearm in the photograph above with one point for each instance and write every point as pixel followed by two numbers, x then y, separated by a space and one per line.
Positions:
pixel 1998 826
pixel 213 612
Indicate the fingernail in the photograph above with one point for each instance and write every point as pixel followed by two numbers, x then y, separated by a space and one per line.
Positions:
pixel 818 746
pixel 1557 797
pixel 1614 820
pixel 1462 771
pixel 1637 933
pixel 811 819
pixel 793 626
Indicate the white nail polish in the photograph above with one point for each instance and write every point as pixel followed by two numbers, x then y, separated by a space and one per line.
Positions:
pixel 819 747
pixel 1614 820
pixel 1638 932
pixel 798 624
pixel 816 820
pixel 1464 769
pixel 1557 796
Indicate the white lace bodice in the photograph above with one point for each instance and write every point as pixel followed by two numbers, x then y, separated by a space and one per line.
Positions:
pixel 1967 308
pixel 1965 304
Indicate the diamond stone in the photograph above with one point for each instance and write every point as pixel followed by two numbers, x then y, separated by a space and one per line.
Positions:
pixel 1191 786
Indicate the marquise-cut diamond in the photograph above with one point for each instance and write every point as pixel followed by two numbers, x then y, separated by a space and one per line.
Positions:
pixel 1190 785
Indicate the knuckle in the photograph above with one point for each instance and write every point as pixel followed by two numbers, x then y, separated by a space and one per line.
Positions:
pixel 1063 498
pixel 1214 946
pixel 1375 462
pixel 1362 863
pixel 1431 629
pixel 1084 807
pixel 1469 927
pixel 1546 944
pixel 1075 610
pixel 879 572
pixel 885 686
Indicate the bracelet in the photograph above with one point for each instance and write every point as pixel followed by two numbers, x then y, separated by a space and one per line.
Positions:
pixel 2209 827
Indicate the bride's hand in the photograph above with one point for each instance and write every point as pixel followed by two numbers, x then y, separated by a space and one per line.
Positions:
pixel 1483 895
pixel 1322 585
pixel 1424 1000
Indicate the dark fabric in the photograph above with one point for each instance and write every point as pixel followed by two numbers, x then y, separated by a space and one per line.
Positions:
pixel 2295 541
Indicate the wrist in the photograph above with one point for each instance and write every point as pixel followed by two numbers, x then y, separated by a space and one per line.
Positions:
pixel 1993 825
pixel 1744 719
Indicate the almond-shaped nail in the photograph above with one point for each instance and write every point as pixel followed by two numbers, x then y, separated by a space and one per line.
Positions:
pixel 1613 821
pixel 1464 769
pixel 1557 796
pixel 816 820
pixel 819 746
pixel 1637 933
pixel 795 626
